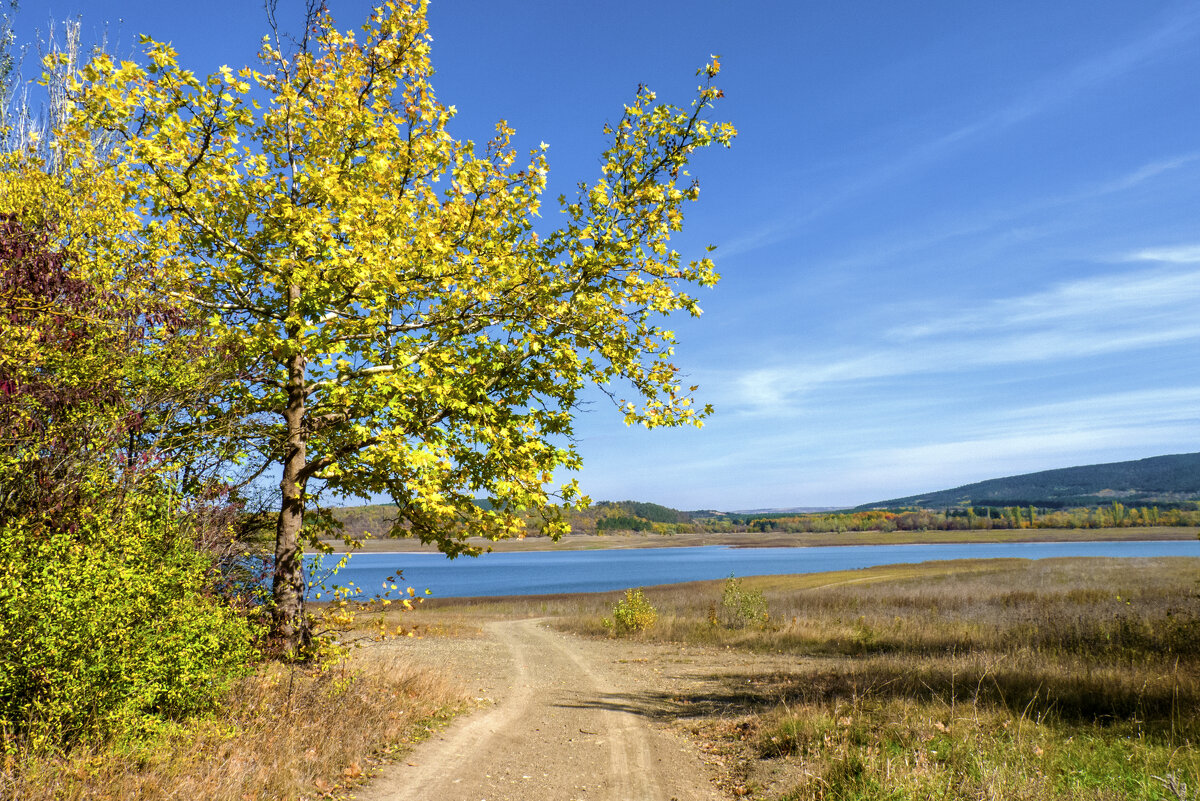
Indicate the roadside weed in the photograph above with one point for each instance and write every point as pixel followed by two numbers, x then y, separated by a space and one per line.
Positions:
pixel 631 614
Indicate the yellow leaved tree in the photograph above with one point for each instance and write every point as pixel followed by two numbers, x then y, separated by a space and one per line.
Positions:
pixel 414 331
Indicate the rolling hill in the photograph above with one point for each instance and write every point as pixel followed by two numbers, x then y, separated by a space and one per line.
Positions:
pixel 1158 480
pixel 600 516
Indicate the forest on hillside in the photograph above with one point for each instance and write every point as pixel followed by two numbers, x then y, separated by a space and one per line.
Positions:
pixel 1158 480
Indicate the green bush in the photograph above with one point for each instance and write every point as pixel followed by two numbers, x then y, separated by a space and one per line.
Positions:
pixel 107 624
pixel 741 607
pixel 631 614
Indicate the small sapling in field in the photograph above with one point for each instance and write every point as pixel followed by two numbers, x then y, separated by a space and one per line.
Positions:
pixel 631 614
pixel 741 607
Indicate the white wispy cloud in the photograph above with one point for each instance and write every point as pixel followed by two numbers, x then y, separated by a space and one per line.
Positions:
pixel 1145 173
pixel 1098 316
pixel 1035 214
pixel 1173 32
pixel 1139 297
pixel 1138 408
pixel 1180 254
pixel 1038 437
pixel 868 448
pixel 991 443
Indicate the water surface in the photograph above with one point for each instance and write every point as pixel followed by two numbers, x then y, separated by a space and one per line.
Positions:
pixel 539 572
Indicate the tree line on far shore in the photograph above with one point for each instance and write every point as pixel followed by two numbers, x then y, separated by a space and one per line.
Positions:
pixel 616 516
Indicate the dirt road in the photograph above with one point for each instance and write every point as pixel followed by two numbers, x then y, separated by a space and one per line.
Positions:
pixel 568 718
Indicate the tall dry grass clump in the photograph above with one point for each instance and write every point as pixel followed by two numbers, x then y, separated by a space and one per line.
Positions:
pixel 284 732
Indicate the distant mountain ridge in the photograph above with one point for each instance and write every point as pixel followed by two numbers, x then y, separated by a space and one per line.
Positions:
pixel 1156 480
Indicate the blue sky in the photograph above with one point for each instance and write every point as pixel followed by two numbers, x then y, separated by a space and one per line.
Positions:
pixel 957 240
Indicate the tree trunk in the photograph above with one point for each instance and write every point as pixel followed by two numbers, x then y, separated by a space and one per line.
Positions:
pixel 290 625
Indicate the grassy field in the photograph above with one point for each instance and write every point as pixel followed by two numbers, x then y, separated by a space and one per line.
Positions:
pixel 1007 679
pixel 582 542
pixel 990 679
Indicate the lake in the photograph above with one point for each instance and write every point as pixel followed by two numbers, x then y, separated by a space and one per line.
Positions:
pixel 544 572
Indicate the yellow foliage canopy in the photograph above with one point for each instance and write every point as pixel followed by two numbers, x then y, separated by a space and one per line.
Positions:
pixel 413 333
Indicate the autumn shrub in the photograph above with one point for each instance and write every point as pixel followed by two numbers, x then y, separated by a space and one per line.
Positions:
pixel 107 623
pixel 631 614
pixel 741 607
pixel 279 733
pixel 111 615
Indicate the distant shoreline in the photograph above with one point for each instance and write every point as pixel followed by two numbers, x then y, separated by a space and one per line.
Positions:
pixel 623 540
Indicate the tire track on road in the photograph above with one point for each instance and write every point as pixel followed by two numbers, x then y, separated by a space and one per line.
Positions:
pixel 563 727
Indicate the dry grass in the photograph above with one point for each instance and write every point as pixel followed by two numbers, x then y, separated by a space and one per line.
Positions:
pixel 1110 608
pixel 1009 679
pixel 283 733
pixel 901 748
